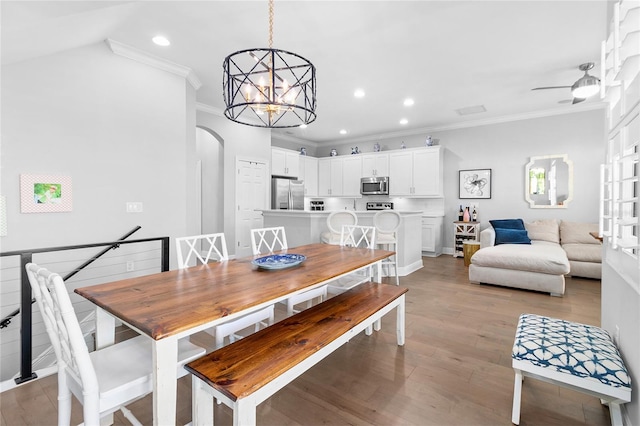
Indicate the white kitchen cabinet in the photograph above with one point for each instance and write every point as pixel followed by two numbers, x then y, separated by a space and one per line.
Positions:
pixel 351 174
pixel 416 173
pixel 432 235
pixel 375 165
pixel 329 177
pixel 285 162
pixel 309 174
pixel 401 173
pixel 339 177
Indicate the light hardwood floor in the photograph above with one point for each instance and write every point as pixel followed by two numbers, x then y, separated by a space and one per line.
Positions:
pixel 455 368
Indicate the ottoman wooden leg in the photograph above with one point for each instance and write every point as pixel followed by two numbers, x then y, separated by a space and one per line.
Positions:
pixel 517 394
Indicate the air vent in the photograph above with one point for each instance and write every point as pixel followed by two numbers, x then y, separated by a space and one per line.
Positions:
pixel 471 110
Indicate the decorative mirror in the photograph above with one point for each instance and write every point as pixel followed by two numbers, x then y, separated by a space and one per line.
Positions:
pixel 549 181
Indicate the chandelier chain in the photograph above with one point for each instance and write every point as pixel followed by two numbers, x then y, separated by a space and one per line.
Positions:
pixel 270 24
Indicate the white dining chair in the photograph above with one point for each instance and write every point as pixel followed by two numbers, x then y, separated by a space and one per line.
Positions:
pixel 201 248
pixel 354 236
pixel 208 247
pixel 335 221
pixel 387 223
pixel 103 381
pixel 268 240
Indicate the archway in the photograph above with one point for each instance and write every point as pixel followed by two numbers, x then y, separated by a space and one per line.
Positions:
pixel 210 175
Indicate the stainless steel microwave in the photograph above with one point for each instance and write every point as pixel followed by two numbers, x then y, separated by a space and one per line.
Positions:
pixel 374 186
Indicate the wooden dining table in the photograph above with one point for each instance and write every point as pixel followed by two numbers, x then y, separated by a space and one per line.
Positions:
pixel 175 304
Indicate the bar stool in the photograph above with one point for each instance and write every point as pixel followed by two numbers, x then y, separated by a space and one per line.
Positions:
pixel 387 223
pixel 335 221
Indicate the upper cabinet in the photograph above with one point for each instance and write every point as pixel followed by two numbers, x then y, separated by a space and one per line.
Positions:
pixel 329 177
pixel 351 174
pixel 309 174
pixel 375 164
pixel 339 176
pixel 416 173
pixel 285 162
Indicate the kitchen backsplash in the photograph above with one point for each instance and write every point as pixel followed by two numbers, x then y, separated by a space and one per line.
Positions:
pixel 428 205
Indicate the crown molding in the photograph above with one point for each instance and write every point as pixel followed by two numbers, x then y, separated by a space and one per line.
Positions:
pixel 477 123
pixel 154 61
pixel 424 130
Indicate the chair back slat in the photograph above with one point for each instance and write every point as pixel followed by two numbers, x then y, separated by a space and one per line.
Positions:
pixel 268 240
pixel 62 327
pixel 201 249
pixel 358 236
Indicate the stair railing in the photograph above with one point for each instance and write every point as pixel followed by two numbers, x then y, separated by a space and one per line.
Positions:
pixel 26 256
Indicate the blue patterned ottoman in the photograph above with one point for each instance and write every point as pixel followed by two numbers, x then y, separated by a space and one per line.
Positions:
pixel 578 356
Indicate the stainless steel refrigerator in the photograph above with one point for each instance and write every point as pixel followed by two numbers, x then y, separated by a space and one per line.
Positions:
pixel 287 194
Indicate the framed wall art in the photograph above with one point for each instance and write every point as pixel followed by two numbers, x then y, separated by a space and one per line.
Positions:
pixel 475 183
pixel 45 194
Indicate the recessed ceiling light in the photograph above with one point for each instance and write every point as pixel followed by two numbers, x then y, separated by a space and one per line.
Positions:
pixel 343 132
pixel 161 40
pixel 408 102
pixel 303 126
pixel 359 93
pixel 404 121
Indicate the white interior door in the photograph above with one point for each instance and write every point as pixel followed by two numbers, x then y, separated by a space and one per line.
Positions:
pixel 252 196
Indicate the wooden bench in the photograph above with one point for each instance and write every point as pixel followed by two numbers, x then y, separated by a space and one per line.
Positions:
pixel 247 372
pixel 577 356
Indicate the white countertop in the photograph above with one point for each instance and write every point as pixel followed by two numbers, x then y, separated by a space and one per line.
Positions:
pixel 327 212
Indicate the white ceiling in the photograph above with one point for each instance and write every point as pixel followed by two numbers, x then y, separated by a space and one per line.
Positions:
pixel 446 55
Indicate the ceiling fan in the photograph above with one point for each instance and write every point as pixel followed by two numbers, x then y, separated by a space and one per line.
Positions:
pixel 586 86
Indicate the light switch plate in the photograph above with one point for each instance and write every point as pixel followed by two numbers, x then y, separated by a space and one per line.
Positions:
pixel 134 207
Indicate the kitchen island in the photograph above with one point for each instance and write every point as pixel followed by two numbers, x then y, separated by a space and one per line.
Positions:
pixel 304 227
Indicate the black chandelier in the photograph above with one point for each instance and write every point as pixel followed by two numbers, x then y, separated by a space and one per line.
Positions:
pixel 269 87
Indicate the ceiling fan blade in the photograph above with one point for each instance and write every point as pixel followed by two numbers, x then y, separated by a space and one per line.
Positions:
pixel 552 87
pixel 577 100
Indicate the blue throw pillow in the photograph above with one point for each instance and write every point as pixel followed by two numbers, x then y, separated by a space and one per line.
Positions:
pixel 507 224
pixel 512 236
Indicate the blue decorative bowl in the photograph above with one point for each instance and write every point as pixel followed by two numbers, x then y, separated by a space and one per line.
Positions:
pixel 279 261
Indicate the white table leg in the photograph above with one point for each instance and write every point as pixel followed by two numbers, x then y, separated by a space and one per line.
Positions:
pixel 165 387
pixel 377 325
pixel 105 328
pixel 400 321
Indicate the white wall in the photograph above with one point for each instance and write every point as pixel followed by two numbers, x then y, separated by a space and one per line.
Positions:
pixel 211 155
pixel 239 141
pixel 122 130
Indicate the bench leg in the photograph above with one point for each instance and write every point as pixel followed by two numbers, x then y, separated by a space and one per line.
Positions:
pixel 244 412
pixel 517 395
pixel 400 321
pixel 202 405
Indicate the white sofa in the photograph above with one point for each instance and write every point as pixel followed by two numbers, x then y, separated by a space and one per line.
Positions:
pixel 556 249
